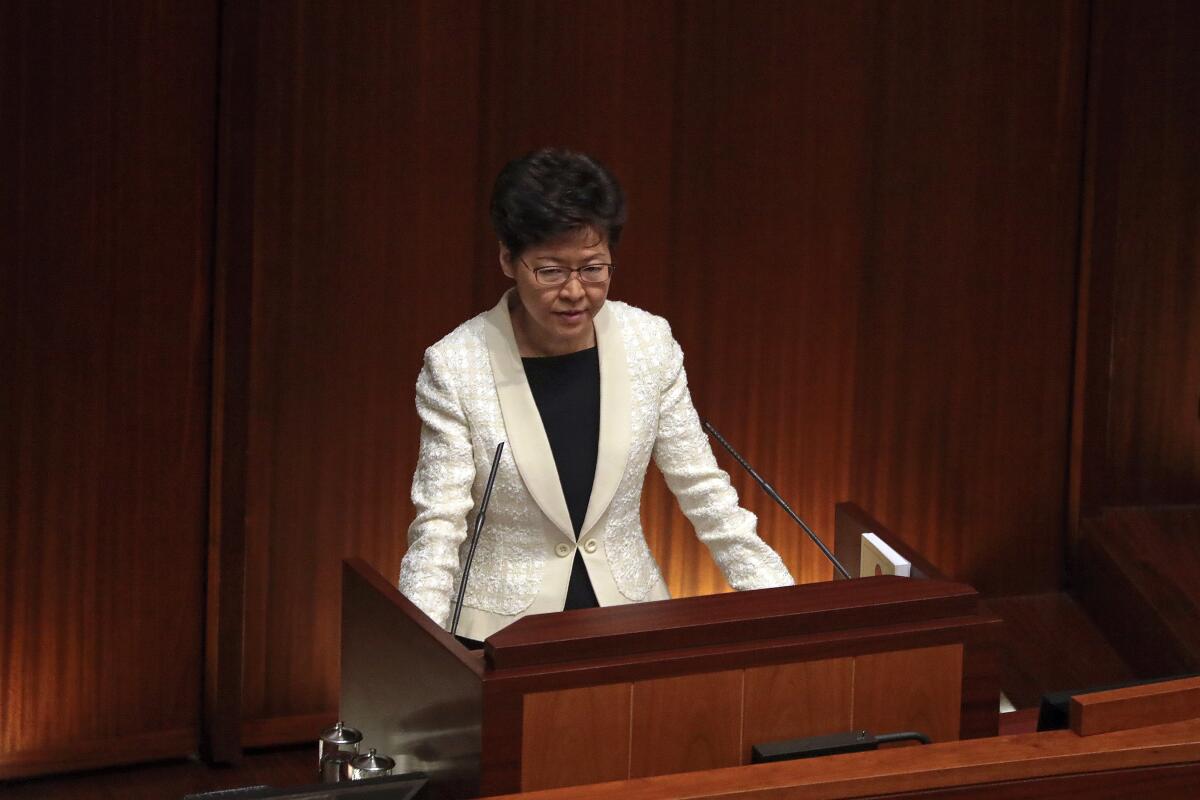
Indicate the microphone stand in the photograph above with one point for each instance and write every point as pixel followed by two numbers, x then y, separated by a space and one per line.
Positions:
pixel 487 497
pixel 774 495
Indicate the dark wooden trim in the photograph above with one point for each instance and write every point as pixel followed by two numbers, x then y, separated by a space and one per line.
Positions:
pixel 232 304
pixel 1135 706
pixel 295 729
pixel 1168 782
pixel 1135 567
pixel 1087 463
pixel 981 685
pixel 503 734
pixel 725 619
pixel 1052 764
pixel 858 642
pixel 76 756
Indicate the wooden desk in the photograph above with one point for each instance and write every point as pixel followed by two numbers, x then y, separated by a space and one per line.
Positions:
pixel 654 688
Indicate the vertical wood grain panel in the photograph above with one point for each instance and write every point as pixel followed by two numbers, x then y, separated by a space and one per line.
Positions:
pixel 232 343
pixel 686 723
pixel 766 242
pixel 575 736
pixel 601 77
pixel 365 168
pixel 596 76
pixel 107 159
pixel 964 346
pixel 910 690
pixel 807 238
pixel 791 701
pixel 1138 437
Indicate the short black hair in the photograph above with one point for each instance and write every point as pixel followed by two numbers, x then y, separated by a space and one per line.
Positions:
pixel 551 191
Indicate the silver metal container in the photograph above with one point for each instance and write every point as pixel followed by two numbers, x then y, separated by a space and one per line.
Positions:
pixel 335 766
pixel 370 766
pixel 335 749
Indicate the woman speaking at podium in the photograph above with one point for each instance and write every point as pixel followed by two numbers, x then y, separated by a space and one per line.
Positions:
pixel 584 391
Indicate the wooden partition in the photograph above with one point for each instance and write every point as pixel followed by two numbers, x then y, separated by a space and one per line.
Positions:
pixel 1136 440
pixel 365 123
pixel 106 203
pixel 673 686
pixel 1136 577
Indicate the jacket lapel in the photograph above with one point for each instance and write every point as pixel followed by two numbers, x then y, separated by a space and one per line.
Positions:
pixel 616 429
pixel 526 435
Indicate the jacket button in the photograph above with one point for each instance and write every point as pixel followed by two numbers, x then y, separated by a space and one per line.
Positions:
pixel 590 546
pixel 562 549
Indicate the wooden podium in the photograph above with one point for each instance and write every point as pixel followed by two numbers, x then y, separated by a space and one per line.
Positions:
pixel 665 687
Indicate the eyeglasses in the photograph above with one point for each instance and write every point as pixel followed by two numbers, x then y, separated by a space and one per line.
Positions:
pixel 557 276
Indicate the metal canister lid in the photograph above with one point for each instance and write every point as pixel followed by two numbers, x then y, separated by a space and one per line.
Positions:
pixel 341 734
pixel 370 765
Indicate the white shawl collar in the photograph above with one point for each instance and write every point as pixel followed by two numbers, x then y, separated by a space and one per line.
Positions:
pixel 527 436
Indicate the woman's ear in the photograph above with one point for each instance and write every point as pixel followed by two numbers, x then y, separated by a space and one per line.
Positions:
pixel 506 262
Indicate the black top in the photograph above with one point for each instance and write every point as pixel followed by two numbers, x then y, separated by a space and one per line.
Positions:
pixel 567 392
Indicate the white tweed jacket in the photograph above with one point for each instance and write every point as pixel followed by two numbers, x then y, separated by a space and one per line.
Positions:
pixel 472 394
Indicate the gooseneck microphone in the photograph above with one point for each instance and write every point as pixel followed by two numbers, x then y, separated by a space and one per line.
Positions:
pixel 487 497
pixel 774 495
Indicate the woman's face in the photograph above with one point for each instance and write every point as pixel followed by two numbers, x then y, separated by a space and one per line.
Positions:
pixel 553 320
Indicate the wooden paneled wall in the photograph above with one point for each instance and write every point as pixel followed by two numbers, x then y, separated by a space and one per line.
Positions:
pixel 364 163
pixel 964 339
pixel 768 205
pixel 861 218
pixel 106 219
pixel 835 207
pixel 1137 408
